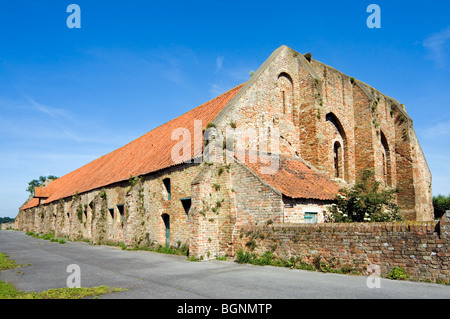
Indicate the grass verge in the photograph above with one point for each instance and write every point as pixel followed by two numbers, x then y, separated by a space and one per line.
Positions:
pixel 8 291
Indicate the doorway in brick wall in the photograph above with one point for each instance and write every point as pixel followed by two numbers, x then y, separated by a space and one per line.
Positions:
pixel 166 219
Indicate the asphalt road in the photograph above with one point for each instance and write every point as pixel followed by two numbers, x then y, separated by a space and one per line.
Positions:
pixel 152 275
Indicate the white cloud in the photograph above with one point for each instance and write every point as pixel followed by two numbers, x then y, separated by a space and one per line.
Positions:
pixel 219 63
pixel 438 45
pixel 439 130
pixel 50 111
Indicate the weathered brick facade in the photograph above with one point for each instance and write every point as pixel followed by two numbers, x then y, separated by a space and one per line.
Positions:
pixel 319 127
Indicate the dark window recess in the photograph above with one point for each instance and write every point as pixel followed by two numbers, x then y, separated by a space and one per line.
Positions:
pixel 337 160
pixel 121 211
pixel 166 182
pixel 166 219
pixel 111 212
pixel 186 205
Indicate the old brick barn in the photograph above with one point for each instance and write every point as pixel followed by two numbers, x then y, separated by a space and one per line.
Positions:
pixel 279 147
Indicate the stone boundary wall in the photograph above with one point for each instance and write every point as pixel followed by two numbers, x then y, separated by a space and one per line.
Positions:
pixel 420 248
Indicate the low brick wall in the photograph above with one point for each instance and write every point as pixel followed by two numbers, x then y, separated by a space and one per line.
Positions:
pixel 421 248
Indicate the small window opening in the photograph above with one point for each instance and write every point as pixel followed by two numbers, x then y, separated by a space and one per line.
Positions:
pixel 310 217
pixel 166 182
pixel 337 164
pixel 187 206
pixel 111 212
pixel 120 207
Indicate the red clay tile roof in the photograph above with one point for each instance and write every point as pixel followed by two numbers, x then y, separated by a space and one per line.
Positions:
pixel 295 179
pixel 41 192
pixel 32 203
pixel 146 154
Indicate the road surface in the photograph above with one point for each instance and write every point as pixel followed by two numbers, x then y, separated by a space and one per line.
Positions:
pixel 152 275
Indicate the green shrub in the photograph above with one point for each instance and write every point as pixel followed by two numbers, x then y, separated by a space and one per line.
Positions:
pixel 243 258
pixel 398 273
pixel 365 202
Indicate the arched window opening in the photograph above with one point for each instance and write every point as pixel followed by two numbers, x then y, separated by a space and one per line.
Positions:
pixel 286 89
pixel 340 148
pixel 166 182
pixel 387 165
pixel 337 153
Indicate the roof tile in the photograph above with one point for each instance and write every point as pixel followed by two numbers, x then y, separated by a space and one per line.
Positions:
pixel 295 179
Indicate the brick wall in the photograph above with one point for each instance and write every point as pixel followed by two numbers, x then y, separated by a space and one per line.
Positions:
pixel 87 215
pixel 421 248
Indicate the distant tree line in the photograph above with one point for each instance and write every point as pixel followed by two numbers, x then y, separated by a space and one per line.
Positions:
pixel 6 220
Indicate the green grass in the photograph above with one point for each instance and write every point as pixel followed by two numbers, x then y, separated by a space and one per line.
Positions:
pixel 51 237
pixel 6 263
pixel 8 291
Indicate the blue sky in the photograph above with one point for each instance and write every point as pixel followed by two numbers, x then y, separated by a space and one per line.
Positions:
pixel 68 96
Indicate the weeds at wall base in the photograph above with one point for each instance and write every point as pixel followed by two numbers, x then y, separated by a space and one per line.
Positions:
pixel 269 259
pixel 51 237
pixel 179 249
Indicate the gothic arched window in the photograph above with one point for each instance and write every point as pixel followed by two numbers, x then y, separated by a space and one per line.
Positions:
pixel 340 148
pixel 386 160
pixel 286 91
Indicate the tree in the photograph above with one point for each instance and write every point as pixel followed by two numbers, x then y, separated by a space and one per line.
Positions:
pixel 38 182
pixel 6 220
pixel 365 202
pixel 441 203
